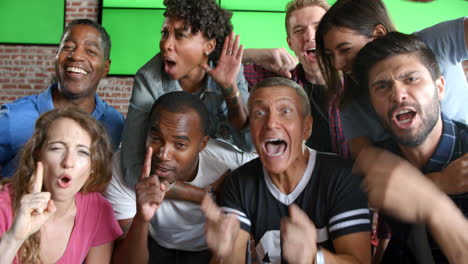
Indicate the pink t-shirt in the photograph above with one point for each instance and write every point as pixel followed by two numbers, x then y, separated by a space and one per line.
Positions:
pixel 95 224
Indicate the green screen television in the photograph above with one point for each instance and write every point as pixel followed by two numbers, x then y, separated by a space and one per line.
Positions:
pixel 31 21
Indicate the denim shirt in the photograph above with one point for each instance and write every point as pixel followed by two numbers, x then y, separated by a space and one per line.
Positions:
pixel 17 121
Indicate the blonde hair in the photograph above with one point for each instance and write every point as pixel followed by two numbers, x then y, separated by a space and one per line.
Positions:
pixel 101 156
pixel 299 4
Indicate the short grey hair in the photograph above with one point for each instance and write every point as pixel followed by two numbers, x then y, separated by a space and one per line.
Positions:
pixel 280 81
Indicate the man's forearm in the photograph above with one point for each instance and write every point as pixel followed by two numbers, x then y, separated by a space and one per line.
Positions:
pixel 449 228
pixel 134 247
pixel 331 258
pixel 185 192
pixel 248 56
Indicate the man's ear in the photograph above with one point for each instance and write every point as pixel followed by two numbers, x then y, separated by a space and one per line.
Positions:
pixel 440 87
pixel 308 126
pixel 289 42
pixel 106 67
pixel 203 143
pixel 379 31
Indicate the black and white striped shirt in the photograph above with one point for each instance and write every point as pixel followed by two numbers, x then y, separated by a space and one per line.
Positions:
pixel 327 192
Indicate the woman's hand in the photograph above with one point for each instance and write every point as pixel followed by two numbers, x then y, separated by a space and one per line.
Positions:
pixel 35 208
pixel 225 75
pixel 228 66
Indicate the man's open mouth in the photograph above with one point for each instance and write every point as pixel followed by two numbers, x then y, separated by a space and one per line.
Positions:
pixel 404 117
pixel 275 147
pixel 311 51
pixel 160 170
pixel 76 70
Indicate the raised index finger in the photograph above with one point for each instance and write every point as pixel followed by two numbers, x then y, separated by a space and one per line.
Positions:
pixel 38 177
pixel 147 164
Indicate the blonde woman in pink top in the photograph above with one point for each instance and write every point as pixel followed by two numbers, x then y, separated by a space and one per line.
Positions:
pixel 52 211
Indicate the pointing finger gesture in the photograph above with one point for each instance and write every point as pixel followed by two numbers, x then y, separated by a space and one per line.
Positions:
pixel 35 208
pixel 150 191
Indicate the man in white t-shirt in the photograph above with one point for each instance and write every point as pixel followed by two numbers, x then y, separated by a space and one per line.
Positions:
pixel 179 154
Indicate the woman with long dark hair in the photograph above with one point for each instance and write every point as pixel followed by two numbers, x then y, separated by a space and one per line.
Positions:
pixel 346 28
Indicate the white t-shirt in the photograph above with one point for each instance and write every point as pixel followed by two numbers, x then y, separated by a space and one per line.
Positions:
pixel 177 224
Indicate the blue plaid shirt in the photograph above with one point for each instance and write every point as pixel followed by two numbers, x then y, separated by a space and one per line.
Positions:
pixel 452 145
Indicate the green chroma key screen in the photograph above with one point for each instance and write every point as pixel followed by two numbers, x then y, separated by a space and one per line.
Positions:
pixel 135 25
pixel 31 21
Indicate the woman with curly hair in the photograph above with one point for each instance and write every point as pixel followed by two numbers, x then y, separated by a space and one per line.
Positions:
pixel 198 54
pixel 52 211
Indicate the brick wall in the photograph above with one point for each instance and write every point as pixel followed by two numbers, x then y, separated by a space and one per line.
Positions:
pixel 28 69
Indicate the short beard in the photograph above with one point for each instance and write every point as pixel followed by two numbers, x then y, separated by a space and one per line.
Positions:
pixel 429 122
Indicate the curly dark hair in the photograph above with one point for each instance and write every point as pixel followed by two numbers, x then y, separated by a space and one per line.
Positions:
pixel 204 16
